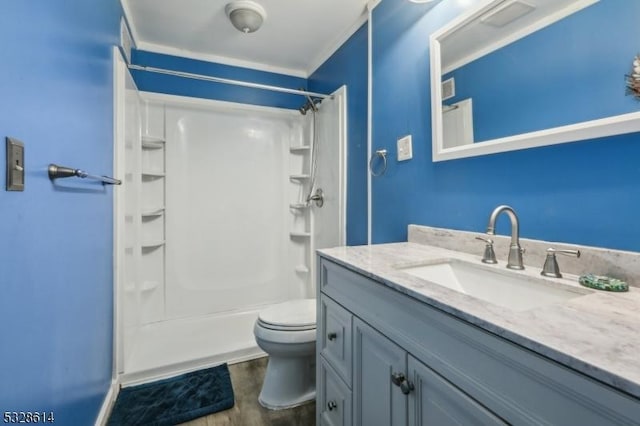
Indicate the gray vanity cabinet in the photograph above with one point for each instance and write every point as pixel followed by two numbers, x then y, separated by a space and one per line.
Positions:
pixel 388 359
pixel 353 355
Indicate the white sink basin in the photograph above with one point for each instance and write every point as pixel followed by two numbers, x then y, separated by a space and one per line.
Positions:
pixel 501 287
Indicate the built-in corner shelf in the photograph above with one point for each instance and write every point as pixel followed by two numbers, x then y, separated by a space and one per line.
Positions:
pixel 299 177
pixel 298 206
pixel 150 142
pixel 150 245
pixel 299 149
pixel 302 269
pixel 300 154
pixel 294 234
pixel 153 212
pixel 152 174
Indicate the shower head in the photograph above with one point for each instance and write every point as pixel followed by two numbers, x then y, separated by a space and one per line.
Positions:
pixel 310 105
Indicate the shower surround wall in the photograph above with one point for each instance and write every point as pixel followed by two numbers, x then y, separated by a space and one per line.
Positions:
pixel 227 232
pixel 234 237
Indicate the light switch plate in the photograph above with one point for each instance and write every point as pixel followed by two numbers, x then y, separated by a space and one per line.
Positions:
pixel 405 148
pixel 15 165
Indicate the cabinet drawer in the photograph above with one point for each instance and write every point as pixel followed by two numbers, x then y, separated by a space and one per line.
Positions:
pixel 334 398
pixel 334 337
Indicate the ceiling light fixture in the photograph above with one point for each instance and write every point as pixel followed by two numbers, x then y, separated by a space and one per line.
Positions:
pixel 246 16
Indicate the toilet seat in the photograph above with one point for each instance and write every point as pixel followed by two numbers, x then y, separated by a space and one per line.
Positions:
pixel 293 315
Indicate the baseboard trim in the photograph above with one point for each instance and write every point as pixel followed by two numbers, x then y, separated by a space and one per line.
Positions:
pixel 108 402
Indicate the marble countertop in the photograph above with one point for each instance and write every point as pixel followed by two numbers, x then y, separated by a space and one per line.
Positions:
pixel 597 334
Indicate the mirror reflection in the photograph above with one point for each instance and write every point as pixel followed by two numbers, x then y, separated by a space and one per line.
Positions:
pixel 524 66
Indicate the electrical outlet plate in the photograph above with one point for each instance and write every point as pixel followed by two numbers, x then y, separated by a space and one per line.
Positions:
pixel 15 165
pixel 405 148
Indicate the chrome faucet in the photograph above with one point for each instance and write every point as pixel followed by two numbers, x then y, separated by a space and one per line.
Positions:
pixel 515 251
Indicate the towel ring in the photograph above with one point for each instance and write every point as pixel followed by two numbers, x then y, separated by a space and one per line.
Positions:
pixel 380 153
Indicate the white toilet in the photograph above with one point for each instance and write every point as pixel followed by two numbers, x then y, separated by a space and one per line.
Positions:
pixel 287 333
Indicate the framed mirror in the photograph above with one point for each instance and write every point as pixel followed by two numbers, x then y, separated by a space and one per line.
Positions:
pixel 516 74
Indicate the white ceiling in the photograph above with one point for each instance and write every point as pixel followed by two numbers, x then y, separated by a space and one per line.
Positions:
pixel 296 37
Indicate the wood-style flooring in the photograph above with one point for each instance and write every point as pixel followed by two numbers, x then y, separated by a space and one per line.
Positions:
pixel 247 378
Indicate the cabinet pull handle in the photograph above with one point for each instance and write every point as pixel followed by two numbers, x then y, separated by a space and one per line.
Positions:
pixel 397 378
pixel 332 336
pixel 406 387
pixel 331 405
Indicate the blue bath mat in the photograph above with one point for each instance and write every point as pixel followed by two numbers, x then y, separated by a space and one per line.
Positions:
pixel 174 400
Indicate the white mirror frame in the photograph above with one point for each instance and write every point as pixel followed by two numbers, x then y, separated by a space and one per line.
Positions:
pixel 608 126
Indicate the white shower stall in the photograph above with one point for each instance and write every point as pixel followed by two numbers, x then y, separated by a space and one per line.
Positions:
pixel 212 222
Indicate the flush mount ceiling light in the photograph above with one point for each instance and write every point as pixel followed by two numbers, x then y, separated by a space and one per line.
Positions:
pixel 246 16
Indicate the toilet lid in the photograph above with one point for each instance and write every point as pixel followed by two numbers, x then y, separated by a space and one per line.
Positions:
pixel 294 314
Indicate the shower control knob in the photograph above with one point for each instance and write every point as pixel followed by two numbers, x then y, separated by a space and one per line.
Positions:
pixel 332 335
pixel 332 405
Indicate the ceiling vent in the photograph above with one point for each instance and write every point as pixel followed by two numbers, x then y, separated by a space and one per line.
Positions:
pixel 505 13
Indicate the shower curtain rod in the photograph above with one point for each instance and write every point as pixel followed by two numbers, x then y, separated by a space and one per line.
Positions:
pixel 228 81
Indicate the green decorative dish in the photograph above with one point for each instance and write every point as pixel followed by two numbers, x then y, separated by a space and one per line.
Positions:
pixel 603 283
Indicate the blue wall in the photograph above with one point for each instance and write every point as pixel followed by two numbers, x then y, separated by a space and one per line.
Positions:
pixel 583 192
pixel 348 65
pixel 513 85
pixel 56 268
pixel 172 85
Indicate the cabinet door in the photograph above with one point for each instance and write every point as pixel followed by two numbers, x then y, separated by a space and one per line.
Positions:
pixel 435 401
pixel 376 400
pixel 334 398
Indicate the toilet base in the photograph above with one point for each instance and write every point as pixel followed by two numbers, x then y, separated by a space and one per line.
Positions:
pixel 288 382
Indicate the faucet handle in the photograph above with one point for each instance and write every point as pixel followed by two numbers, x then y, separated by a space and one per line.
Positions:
pixel 551 268
pixel 489 254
